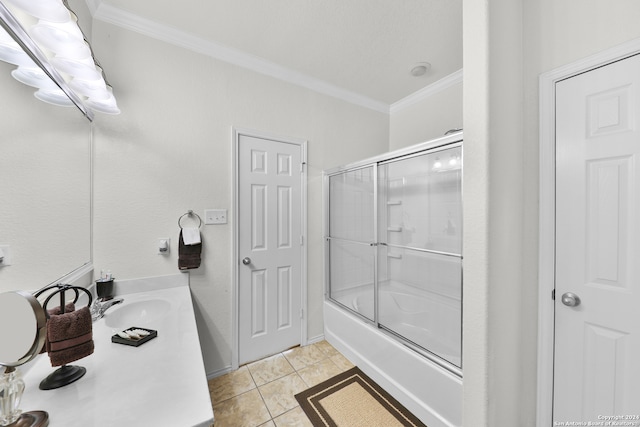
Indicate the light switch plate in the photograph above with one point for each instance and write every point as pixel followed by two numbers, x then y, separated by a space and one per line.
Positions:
pixel 215 216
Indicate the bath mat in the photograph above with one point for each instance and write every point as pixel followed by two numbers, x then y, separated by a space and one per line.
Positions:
pixel 351 399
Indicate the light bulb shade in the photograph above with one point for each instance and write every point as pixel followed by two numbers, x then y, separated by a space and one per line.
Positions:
pixel 58 97
pixel 108 106
pixel 15 55
pixel 5 38
pixel 33 77
pixel 94 89
pixel 50 10
pixel 64 40
pixel 55 42
pixel 102 107
pixel 83 69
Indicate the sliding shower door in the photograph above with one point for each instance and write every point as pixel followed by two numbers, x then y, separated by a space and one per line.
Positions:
pixel 351 237
pixel 420 246
pixel 394 247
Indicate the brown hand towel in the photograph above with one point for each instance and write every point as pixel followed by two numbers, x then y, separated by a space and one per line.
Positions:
pixel 68 308
pixel 188 255
pixel 69 336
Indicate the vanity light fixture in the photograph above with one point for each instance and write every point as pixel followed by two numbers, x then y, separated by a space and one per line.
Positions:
pixel 43 39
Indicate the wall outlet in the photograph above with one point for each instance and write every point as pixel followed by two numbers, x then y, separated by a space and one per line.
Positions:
pixel 164 246
pixel 215 216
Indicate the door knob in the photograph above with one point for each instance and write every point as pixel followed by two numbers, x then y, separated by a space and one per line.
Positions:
pixel 246 261
pixel 570 299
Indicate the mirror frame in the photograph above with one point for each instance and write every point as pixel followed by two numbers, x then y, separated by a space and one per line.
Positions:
pixel 40 332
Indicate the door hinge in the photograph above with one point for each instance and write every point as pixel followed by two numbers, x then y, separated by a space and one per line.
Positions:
pixel 302 166
pixel 301 240
pixel 302 313
pixel 553 294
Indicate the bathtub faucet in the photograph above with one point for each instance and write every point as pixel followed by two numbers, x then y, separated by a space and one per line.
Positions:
pixel 100 307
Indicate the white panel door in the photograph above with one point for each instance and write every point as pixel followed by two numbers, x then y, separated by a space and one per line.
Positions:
pixel 269 186
pixel 597 340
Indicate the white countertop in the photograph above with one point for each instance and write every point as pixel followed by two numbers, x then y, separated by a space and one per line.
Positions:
pixel 160 383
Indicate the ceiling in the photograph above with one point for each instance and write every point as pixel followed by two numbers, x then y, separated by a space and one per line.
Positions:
pixel 363 46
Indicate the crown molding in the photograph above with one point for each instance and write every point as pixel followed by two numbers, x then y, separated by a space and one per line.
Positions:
pixel 424 93
pixel 112 15
pixel 118 17
pixel 93 6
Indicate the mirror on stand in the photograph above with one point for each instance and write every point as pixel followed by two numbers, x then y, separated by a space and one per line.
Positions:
pixel 22 336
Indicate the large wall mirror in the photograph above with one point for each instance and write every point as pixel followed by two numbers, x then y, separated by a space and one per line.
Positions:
pixel 45 181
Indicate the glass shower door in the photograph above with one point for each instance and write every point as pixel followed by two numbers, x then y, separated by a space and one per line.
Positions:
pixel 351 238
pixel 420 246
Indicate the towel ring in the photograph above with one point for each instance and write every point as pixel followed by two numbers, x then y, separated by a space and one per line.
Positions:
pixel 61 290
pixel 190 214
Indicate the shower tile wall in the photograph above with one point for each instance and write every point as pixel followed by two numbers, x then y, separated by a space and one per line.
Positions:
pixel 423 201
pixel 420 207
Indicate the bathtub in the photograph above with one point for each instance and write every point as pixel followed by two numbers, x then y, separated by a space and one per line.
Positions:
pixel 431 321
pixel 427 389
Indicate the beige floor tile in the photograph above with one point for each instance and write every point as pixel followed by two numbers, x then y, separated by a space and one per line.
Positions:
pixel 279 395
pixel 293 418
pixel 237 402
pixel 342 362
pixel 230 385
pixel 300 357
pixel 245 410
pixel 319 372
pixel 327 348
pixel 269 369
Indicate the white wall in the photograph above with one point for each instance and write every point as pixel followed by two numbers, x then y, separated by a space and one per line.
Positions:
pixel 509 44
pixel 171 150
pixel 556 34
pixel 427 119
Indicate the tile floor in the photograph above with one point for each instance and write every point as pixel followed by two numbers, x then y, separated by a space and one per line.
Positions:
pixel 262 393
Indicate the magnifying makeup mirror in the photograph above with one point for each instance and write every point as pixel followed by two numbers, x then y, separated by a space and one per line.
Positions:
pixel 22 335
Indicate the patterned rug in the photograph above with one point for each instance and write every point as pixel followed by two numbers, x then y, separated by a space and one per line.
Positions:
pixel 351 399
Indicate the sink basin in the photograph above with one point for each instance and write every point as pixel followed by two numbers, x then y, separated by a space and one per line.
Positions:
pixel 137 313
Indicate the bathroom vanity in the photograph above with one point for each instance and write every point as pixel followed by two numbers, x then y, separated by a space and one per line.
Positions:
pixel 160 383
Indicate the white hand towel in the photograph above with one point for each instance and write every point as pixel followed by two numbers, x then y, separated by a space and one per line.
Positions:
pixel 191 236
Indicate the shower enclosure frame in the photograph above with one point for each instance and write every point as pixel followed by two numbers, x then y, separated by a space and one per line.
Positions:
pixel 441 144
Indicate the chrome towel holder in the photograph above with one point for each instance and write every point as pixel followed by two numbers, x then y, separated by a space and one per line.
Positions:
pixel 190 214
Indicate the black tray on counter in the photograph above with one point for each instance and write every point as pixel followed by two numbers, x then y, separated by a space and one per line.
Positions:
pixel 135 343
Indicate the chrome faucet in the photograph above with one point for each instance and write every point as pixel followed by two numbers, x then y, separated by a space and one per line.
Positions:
pixel 100 307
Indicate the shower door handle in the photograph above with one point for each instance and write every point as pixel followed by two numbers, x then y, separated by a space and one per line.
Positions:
pixel 246 261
